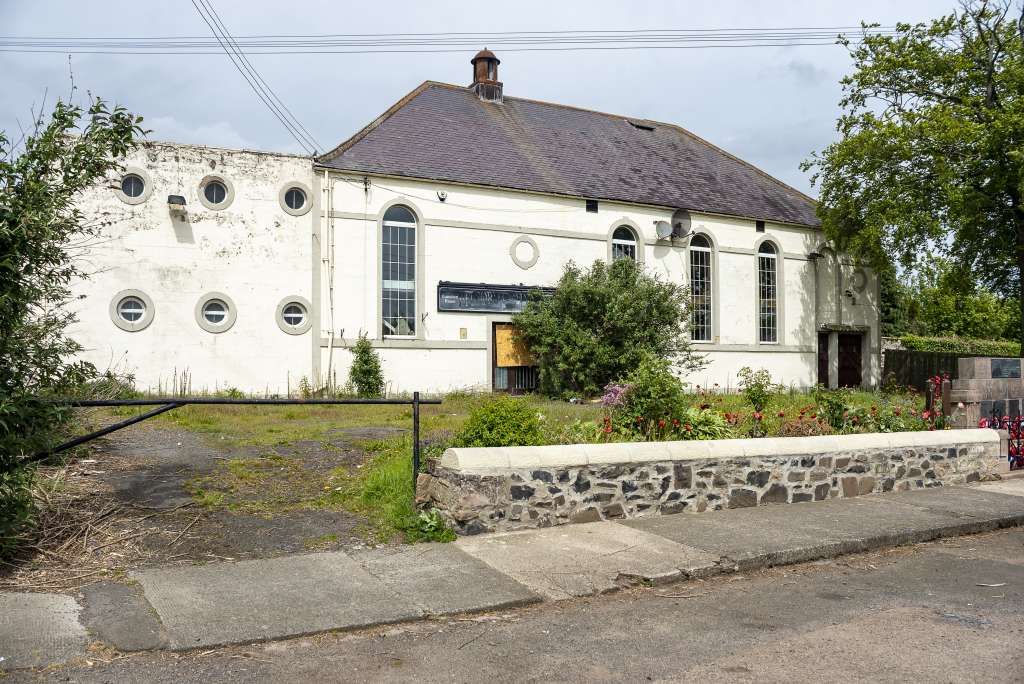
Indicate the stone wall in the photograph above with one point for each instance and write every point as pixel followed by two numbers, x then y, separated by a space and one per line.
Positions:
pixel 481 490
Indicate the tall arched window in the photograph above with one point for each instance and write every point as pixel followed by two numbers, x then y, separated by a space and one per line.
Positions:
pixel 398 272
pixel 624 243
pixel 767 293
pixel 700 289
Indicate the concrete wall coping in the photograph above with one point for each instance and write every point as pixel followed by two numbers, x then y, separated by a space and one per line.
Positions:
pixel 498 459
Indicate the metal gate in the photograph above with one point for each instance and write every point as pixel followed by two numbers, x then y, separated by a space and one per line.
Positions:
pixel 171 403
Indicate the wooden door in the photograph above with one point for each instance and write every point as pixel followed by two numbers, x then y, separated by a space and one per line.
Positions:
pixel 823 359
pixel 850 360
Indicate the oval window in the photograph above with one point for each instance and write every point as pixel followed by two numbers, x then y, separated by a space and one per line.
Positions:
pixel 131 309
pixel 295 199
pixel 132 185
pixel 215 312
pixel 215 192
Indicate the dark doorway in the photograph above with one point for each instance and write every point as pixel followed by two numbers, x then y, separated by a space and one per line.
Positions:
pixel 823 359
pixel 850 362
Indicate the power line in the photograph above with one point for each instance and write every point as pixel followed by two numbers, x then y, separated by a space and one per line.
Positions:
pixel 255 81
pixel 446 42
pixel 255 73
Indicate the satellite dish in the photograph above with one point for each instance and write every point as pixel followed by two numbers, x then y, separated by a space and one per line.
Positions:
pixel 681 223
pixel 663 229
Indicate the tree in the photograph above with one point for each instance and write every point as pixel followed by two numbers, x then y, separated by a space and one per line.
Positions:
pixel 600 322
pixel 365 374
pixel 931 153
pixel 41 177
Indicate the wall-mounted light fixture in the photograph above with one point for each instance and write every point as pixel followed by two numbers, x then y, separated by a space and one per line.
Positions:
pixel 176 203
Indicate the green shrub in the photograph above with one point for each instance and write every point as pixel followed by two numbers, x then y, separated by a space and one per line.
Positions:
pixel 600 322
pixel 16 504
pixel 652 391
pixel 757 387
pixel 366 375
pixel 504 421
pixel 961 345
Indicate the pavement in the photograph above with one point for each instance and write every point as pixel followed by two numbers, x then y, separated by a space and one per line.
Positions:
pixel 209 606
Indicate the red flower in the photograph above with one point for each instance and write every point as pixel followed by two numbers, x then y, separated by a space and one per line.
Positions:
pixel 897 412
pixel 688 427
pixel 814 416
pixel 661 423
pixel 675 422
pixel 758 415
pixel 926 414
pixel 782 414
pixel 639 419
pixel 855 419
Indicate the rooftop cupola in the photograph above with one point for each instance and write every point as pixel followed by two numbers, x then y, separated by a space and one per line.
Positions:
pixel 485 76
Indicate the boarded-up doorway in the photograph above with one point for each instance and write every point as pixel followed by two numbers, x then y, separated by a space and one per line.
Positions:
pixel 514 368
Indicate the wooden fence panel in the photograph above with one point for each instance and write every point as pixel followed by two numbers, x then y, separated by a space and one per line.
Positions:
pixel 914 368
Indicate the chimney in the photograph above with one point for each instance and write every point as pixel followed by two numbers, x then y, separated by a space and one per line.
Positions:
pixel 485 76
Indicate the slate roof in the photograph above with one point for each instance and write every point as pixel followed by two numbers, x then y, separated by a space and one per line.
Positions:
pixel 445 132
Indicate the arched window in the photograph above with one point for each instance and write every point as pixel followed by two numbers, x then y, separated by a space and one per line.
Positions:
pixel 700 289
pixel 767 293
pixel 624 243
pixel 398 272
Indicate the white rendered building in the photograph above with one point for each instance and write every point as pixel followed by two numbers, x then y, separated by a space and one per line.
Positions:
pixel 231 268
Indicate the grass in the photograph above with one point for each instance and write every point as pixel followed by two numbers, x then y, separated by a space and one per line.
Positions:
pixel 381 489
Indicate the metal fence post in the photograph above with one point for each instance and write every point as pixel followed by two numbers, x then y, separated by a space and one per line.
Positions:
pixel 415 440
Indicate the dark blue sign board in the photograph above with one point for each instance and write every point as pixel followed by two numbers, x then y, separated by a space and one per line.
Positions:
pixel 1005 368
pixel 485 298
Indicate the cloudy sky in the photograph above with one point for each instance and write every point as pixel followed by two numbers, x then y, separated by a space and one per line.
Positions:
pixel 771 106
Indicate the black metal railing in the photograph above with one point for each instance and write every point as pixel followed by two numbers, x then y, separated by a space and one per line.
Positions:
pixel 1014 427
pixel 170 403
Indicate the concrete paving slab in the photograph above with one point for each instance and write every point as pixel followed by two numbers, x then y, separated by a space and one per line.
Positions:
pixel 118 614
pixel 592 558
pixel 257 600
pixel 794 533
pixel 442 579
pixel 974 502
pixel 39 629
pixel 747 537
pixel 1013 486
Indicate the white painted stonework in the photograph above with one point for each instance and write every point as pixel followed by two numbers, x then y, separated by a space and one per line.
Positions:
pixel 257 253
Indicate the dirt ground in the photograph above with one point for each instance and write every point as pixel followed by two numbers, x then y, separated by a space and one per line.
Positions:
pixel 157 495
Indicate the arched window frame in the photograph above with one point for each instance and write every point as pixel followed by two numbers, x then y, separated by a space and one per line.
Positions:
pixel 700 261
pixel 417 298
pixel 770 333
pixel 638 239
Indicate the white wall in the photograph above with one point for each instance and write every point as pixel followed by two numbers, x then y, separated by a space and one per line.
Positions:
pixel 252 251
pixel 467 238
pixel 257 253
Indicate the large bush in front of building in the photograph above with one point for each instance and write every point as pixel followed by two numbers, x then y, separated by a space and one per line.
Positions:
pixel 42 174
pixel 599 324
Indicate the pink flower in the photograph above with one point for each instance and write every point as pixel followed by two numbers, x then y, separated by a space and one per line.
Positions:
pixel 758 415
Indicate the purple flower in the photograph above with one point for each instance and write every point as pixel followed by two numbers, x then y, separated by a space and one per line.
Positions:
pixel 614 395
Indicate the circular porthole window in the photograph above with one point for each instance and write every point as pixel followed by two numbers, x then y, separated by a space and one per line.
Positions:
pixel 216 192
pixel 294 199
pixel 134 186
pixel 293 315
pixel 215 312
pixel 131 310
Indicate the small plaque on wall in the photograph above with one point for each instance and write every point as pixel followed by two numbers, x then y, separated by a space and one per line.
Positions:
pixel 1005 368
pixel 485 298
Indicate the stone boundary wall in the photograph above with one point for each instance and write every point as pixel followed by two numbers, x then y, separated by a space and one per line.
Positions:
pixel 509 488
